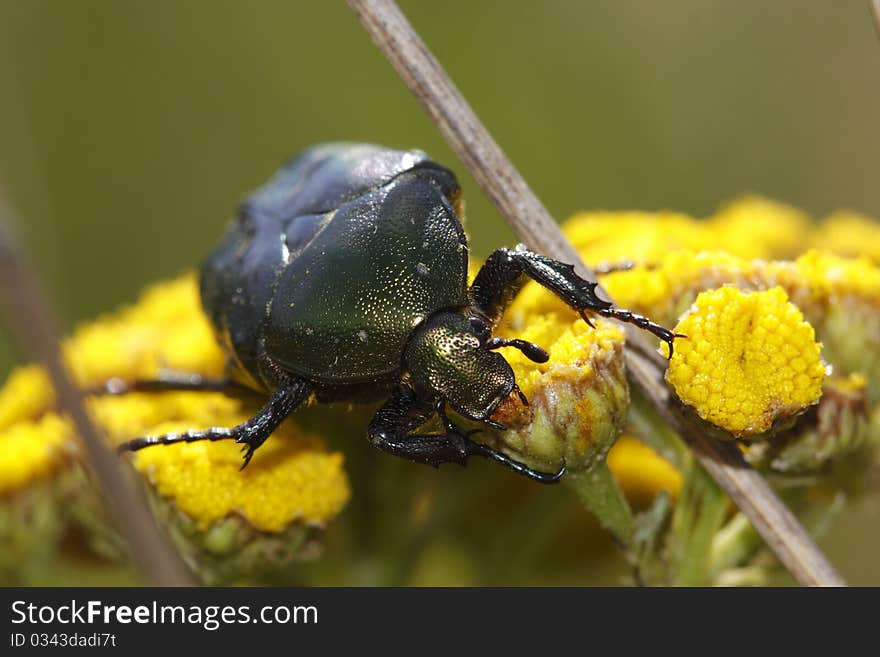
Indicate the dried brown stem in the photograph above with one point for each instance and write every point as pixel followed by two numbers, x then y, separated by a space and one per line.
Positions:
pixel 29 317
pixel 875 10
pixel 498 178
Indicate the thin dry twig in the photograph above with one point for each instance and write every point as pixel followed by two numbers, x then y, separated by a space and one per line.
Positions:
pixel 875 10
pixel 498 178
pixel 29 316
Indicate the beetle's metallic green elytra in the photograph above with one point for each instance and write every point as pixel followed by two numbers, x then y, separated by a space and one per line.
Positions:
pixel 331 265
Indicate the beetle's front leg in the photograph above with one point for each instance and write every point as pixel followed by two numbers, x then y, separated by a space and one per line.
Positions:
pixel 391 426
pixel 504 272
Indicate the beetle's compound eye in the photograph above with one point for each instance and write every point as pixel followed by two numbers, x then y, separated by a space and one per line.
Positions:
pixel 481 329
pixel 446 357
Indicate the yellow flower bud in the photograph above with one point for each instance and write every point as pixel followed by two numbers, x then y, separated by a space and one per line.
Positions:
pixel 840 425
pixel 749 360
pixel 577 400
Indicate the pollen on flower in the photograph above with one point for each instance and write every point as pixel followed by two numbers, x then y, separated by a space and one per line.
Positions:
pixel 749 360
pixel 666 289
pixel 830 278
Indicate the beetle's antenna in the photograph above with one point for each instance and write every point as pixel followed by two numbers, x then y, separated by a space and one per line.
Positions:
pixel 529 349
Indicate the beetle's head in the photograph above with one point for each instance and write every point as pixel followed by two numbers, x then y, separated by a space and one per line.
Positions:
pixel 451 356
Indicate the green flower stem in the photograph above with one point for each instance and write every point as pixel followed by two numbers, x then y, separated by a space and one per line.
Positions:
pixel 598 490
pixel 650 427
pixel 733 545
pixel 737 542
pixel 698 516
pixel 750 576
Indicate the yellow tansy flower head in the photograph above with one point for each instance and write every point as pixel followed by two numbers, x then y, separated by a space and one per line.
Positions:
pixel 757 227
pixel 291 479
pixel 749 360
pixel 839 426
pixel 292 489
pixel 642 472
pixel 849 233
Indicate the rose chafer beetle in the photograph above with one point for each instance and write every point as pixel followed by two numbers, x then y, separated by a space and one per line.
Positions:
pixel 345 277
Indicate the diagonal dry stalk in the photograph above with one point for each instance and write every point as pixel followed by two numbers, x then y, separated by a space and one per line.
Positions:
pixel 498 178
pixel 875 10
pixel 29 317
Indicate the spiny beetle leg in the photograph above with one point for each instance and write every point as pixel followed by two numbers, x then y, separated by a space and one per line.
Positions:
pixel 476 449
pixel 251 434
pixel 391 426
pixel 643 323
pixel 504 270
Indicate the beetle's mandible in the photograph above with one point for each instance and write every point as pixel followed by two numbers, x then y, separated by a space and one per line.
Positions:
pixel 345 277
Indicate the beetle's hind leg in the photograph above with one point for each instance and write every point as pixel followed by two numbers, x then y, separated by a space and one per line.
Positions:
pixel 251 433
pixel 390 431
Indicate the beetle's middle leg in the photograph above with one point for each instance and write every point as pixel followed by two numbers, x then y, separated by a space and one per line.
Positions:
pixel 391 426
pixel 251 433
pixel 504 273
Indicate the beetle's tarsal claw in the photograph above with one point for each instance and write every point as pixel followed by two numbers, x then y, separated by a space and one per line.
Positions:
pixel 548 477
pixel 671 343
pixel 495 425
pixel 521 395
pixel 583 315
pixel 248 452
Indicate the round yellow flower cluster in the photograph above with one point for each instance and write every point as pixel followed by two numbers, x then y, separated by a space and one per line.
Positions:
pixel 749 360
pixel 292 479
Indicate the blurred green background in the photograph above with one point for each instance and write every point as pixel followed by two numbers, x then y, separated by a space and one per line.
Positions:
pixel 130 130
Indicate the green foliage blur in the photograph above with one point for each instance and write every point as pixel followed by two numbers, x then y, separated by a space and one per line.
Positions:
pixel 130 130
